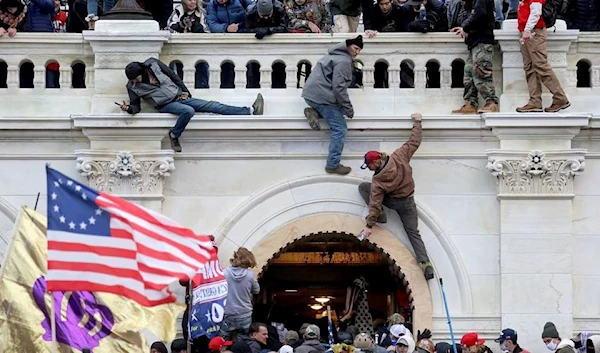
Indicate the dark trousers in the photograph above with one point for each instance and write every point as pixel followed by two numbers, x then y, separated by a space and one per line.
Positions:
pixel 407 210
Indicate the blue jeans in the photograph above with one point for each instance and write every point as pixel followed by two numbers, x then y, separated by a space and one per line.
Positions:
pixel 499 14
pixel 186 108
pixel 52 79
pixel 92 6
pixel 233 323
pixel 337 129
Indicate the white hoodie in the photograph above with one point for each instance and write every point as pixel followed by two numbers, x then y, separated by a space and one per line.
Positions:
pixel 566 346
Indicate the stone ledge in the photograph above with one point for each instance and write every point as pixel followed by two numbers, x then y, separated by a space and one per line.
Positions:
pixel 521 120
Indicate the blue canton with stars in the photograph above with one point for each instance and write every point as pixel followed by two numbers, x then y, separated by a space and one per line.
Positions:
pixel 72 207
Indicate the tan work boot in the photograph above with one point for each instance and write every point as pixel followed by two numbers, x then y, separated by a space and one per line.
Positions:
pixel 489 107
pixel 528 108
pixel 340 169
pixel 555 107
pixel 467 108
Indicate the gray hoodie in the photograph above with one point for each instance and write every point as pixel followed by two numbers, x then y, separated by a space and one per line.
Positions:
pixel 241 284
pixel 329 81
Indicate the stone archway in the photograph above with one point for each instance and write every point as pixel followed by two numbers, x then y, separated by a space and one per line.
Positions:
pixel 385 241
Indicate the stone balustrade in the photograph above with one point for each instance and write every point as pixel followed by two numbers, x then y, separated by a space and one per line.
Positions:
pixel 402 72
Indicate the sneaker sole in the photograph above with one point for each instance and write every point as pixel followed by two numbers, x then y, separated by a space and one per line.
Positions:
pixel 259 105
pixel 312 119
pixel 336 172
pixel 537 110
pixel 565 106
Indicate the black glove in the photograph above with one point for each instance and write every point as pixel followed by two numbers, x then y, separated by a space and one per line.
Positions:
pixel 425 334
pixel 390 27
pixel 261 32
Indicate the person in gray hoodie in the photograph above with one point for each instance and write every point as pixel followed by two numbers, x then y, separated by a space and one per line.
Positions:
pixel 326 93
pixel 241 285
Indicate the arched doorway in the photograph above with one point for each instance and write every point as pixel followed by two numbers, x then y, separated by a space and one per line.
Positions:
pixel 315 271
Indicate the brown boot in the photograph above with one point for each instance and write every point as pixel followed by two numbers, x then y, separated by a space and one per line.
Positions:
pixel 556 107
pixel 340 169
pixel 467 108
pixel 528 108
pixel 489 107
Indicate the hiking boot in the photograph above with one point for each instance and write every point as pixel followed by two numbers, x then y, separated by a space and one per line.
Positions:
pixel 427 270
pixel 313 118
pixel 175 145
pixel 382 217
pixel 556 107
pixel 467 108
pixel 340 169
pixel 489 107
pixel 528 108
pixel 258 105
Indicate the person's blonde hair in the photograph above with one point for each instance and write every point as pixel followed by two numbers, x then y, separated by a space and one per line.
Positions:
pixel 243 258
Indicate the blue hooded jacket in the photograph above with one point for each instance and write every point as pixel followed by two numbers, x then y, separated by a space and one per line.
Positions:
pixel 220 16
pixel 39 16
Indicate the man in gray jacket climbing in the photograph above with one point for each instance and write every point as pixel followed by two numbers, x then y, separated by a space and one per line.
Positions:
pixel 154 82
pixel 326 93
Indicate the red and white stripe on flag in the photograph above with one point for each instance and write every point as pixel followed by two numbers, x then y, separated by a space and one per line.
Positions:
pixel 144 253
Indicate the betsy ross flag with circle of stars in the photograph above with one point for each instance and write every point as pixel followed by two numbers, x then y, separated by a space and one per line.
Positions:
pixel 99 242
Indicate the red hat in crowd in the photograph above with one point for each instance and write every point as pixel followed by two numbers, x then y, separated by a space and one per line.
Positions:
pixel 470 339
pixel 370 157
pixel 217 343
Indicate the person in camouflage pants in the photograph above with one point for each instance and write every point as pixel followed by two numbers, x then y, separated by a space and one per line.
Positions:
pixel 478 31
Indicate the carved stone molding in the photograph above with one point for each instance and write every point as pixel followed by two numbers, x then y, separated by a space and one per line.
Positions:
pixel 536 174
pixel 136 175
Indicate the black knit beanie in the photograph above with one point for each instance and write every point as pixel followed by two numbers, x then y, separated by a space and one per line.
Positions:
pixel 134 69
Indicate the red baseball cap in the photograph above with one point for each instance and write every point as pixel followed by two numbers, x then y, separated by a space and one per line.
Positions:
pixel 470 339
pixel 370 157
pixel 217 343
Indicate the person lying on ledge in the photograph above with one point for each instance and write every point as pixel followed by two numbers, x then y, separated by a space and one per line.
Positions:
pixel 161 87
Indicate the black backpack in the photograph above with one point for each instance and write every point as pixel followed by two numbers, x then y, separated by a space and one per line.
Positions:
pixel 552 10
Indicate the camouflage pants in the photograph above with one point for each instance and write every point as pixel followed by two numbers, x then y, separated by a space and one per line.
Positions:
pixel 478 75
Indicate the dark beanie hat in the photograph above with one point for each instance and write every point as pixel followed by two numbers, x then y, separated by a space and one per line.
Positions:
pixel 134 69
pixel 159 346
pixel 178 345
pixel 358 41
pixel 550 331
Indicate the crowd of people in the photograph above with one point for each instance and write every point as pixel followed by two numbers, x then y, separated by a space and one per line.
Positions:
pixel 264 17
pixel 244 330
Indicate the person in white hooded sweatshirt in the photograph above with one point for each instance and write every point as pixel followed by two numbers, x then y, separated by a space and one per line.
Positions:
pixel 553 341
pixel 241 285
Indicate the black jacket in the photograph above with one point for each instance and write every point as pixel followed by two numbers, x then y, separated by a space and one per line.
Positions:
pixel 437 18
pixel 480 23
pixel 584 15
pixel 394 21
pixel 276 24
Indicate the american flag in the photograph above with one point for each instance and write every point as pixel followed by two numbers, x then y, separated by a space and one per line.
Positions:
pixel 102 243
pixel 329 326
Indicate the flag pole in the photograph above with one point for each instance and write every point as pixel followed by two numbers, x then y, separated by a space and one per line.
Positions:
pixel 53 324
pixel 189 325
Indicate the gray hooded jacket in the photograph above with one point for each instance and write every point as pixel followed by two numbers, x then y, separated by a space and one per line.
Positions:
pixel 329 81
pixel 241 284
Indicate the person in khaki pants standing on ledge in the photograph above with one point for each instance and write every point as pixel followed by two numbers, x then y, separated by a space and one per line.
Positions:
pixel 535 60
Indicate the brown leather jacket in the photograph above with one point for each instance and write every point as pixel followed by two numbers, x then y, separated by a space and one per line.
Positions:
pixel 395 177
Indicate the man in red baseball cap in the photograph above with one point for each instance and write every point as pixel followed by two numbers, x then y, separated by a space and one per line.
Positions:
pixel 393 186
pixel 218 344
pixel 472 342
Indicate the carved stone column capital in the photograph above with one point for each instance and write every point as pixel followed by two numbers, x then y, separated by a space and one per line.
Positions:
pixel 137 176
pixel 536 174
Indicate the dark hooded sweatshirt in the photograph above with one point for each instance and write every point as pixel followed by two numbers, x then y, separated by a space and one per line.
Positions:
pixel 395 177
pixel 241 284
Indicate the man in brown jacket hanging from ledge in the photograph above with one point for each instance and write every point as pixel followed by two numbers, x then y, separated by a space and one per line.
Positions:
pixel 393 186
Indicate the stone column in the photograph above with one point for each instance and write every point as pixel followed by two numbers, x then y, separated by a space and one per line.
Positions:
pixel 514 85
pixel 536 168
pixel 116 44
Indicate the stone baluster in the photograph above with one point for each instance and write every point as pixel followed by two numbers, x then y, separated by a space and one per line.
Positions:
pixel 420 78
pixel 214 76
pixel 595 76
pixel 89 76
pixel 189 76
pixel 240 76
pixel 394 76
pixel 66 76
pixel 39 76
pixel 368 75
pixel 291 78
pixel 266 73
pixel 12 79
pixel 445 78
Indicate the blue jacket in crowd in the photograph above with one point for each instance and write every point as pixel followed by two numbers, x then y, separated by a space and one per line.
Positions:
pixel 220 16
pixel 39 16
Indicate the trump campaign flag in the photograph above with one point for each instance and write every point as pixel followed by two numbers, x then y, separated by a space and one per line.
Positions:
pixel 209 297
pixel 102 243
